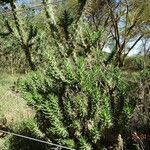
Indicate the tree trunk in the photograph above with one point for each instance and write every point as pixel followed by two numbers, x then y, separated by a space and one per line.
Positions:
pixel 21 36
pixel 29 58
pixel 119 143
pixel 112 140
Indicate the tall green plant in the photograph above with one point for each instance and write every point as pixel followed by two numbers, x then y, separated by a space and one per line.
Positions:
pixel 80 102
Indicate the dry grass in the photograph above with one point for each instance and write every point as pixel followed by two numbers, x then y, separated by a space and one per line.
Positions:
pixel 12 106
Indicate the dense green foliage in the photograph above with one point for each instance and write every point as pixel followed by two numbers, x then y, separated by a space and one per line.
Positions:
pixel 79 101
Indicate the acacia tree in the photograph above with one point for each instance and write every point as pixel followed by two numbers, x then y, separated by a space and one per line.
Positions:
pixel 125 24
pixel 126 27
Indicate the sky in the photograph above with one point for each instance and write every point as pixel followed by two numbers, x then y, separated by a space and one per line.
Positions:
pixel 28 1
pixel 133 52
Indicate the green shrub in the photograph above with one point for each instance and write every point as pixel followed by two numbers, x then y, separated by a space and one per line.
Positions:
pixel 79 102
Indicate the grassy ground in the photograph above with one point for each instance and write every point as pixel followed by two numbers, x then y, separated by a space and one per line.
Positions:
pixel 12 107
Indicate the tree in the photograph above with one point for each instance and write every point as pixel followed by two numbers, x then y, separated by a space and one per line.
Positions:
pixel 24 40
pixel 60 25
pixel 125 24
